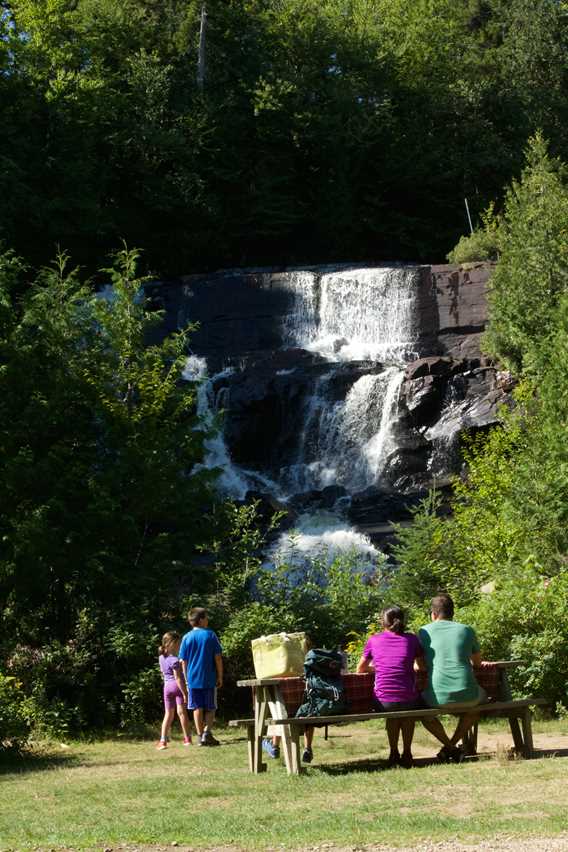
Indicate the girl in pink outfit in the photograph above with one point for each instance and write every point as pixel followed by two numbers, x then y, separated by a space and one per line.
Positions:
pixel 175 690
pixel 391 655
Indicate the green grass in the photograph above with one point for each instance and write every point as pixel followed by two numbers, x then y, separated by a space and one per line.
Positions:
pixel 94 795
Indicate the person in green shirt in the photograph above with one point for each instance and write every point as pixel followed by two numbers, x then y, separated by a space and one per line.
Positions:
pixel 451 650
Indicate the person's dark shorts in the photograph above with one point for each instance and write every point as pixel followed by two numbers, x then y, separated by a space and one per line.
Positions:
pixel 202 699
pixel 393 706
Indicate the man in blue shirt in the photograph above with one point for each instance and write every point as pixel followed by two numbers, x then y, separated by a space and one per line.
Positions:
pixel 200 654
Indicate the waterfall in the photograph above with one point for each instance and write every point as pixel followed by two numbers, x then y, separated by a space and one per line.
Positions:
pixel 345 442
pixel 354 314
pixel 233 481
pixel 363 323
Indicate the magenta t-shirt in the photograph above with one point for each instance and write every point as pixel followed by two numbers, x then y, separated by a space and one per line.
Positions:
pixel 393 656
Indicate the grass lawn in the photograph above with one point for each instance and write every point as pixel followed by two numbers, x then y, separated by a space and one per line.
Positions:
pixel 122 791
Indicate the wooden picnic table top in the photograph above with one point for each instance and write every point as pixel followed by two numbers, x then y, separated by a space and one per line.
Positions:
pixel 272 681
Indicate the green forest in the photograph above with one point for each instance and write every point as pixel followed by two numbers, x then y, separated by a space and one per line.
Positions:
pixel 148 138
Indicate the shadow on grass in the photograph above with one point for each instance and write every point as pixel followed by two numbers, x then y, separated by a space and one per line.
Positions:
pixel 25 762
pixel 551 752
pixel 369 765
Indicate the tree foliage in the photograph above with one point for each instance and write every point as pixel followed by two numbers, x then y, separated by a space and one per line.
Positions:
pixel 325 130
pixel 102 506
pixel 504 551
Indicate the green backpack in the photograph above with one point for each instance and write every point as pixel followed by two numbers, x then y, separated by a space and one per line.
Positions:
pixel 324 694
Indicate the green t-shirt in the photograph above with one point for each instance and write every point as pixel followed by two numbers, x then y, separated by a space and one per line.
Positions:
pixel 448 647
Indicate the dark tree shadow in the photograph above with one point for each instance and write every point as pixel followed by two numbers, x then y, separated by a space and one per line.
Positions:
pixel 25 762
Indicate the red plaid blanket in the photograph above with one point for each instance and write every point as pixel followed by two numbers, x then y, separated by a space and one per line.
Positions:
pixel 359 688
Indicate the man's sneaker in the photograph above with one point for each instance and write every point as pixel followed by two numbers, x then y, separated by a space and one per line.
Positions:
pixel 271 749
pixel 457 755
pixel 207 739
pixel 187 741
pixel 162 745
pixel 449 754
pixel 308 755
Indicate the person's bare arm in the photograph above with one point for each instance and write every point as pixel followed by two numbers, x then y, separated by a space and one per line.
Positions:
pixel 219 667
pixel 364 665
pixel 180 680
pixel 476 659
pixel 184 670
pixel 419 664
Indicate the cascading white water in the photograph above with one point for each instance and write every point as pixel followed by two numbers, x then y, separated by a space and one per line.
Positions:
pixel 324 536
pixel 232 481
pixel 355 314
pixel 346 442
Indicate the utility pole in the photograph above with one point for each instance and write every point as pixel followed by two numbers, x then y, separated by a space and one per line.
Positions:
pixel 468 216
pixel 201 50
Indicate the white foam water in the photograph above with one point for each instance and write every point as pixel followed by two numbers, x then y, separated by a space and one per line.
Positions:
pixel 355 314
pixel 323 536
pixel 346 442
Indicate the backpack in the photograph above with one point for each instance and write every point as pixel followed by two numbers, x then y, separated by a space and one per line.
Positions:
pixel 324 694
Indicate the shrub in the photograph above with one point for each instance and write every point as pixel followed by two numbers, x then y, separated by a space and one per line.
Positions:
pixel 14 726
pixel 482 244
pixel 525 618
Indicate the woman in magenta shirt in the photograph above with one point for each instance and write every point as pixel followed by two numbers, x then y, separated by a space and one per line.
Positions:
pixel 391 655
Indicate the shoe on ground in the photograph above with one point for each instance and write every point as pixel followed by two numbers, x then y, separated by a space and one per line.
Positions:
pixel 162 745
pixel 207 739
pixel 187 741
pixel 449 754
pixel 308 755
pixel 393 759
pixel 271 749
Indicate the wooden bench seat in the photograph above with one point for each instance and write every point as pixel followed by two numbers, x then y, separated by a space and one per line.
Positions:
pixel 516 711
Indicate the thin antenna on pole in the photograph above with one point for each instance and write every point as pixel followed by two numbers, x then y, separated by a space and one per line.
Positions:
pixel 468 216
pixel 201 50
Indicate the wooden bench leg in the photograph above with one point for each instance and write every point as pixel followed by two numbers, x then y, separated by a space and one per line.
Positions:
pixel 250 746
pixel 470 739
pixel 260 714
pixel 296 767
pixel 517 735
pixel 526 721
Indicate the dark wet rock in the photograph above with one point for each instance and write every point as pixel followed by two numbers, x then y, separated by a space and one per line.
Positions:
pixel 267 506
pixel 316 499
pixel 378 505
pixel 433 366
pixel 264 404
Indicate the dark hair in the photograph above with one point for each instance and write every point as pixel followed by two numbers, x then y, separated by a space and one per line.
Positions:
pixel 393 619
pixel 442 605
pixel 196 614
pixel 170 638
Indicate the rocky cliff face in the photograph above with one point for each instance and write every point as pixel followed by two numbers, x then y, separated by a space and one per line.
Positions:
pixel 352 379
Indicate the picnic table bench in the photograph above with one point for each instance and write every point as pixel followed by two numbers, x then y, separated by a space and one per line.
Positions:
pixel 277 699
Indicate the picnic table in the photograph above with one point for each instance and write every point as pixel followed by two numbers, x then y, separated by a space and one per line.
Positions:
pixel 277 699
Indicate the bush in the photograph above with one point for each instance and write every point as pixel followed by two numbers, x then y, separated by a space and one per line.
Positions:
pixel 328 602
pixel 525 618
pixel 482 244
pixel 14 726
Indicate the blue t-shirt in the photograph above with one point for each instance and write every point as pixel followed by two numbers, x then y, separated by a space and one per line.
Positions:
pixel 198 649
